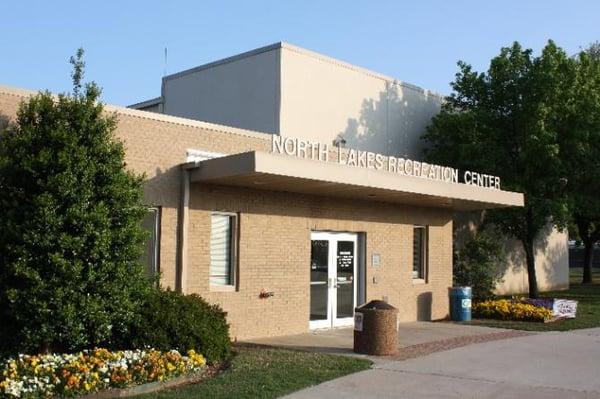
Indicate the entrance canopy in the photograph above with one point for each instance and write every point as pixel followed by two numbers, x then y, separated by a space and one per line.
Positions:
pixel 267 171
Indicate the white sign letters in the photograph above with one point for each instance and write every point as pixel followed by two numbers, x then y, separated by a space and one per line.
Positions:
pixel 365 159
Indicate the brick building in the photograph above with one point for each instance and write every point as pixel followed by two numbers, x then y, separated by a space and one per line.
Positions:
pixel 294 92
pixel 286 239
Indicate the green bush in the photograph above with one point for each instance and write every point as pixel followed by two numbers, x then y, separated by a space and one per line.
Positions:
pixel 478 265
pixel 70 225
pixel 170 320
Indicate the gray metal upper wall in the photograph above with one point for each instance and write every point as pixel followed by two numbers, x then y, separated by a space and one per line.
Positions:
pixel 284 89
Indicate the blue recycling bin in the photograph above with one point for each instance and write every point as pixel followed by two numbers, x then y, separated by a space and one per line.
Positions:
pixel 460 303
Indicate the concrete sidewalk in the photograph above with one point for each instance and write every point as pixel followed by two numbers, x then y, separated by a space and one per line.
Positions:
pixel 548 365
pixel 341 340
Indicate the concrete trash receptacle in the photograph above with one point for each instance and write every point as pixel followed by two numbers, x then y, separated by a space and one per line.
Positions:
pixel 376 329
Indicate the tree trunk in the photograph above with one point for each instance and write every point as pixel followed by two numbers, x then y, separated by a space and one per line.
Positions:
pixel 46 348
pixel 531 275
pixel 589 235
pixel 587 262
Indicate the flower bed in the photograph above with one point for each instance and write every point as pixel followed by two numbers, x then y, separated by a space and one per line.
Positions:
pixel 505 309
pixel 91 371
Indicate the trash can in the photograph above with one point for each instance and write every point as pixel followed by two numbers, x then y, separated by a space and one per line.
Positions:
pixel 460 303
pixel 376 329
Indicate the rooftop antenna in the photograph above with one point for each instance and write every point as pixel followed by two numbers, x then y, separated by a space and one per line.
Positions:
pixel 165 69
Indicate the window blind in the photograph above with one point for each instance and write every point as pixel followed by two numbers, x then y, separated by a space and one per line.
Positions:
pixel 221 249
pixel 151 223
pixel 419 252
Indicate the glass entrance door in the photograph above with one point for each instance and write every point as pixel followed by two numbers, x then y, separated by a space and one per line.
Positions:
pixel 332 279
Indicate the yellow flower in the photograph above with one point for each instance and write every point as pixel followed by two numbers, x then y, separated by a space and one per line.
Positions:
pixel 88 370
pixel 511 310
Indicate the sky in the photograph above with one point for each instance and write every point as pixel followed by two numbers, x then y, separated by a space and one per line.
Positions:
pixel 417 42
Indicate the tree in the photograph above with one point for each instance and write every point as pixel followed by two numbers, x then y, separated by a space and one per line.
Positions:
pixel 479 264
pixel 581 153
pixel 593 51
pixel 507 122
pixel 70 231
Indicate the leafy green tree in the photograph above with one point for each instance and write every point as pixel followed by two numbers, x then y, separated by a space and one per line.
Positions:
pixel 580 150
pixel 479 264
pixel 507 122
pixel 70 231
pixel 593 51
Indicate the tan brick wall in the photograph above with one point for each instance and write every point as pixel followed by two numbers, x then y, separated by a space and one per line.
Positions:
pixel 275 229
pixel 157 149
pixel 275 254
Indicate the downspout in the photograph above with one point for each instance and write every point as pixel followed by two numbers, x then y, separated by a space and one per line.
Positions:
pixel 194 157
pixel 182 231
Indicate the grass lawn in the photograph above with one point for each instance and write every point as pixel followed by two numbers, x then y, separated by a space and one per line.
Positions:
pixel 267 373
pixel 588 308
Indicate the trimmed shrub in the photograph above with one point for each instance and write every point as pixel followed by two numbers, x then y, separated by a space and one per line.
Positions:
pixel 70 225
pixel 477 265
pixel 170 320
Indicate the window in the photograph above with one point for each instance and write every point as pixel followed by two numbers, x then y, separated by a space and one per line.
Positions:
pixel 222 249
pixel 419 252
pixel 150 257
